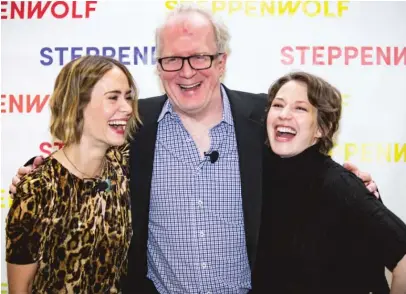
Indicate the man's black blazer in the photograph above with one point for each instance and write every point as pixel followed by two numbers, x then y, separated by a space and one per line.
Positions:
pixel 248 112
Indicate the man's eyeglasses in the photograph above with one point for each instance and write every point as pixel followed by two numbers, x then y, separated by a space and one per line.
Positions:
pixel 197 62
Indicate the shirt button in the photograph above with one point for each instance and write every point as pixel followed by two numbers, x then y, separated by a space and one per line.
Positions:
pixel 201 234
pixel 200 203
pixel 204 265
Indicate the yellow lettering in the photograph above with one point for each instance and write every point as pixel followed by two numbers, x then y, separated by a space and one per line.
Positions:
pixel 249 8
pixel 327 12
pixel 399 153
pixel 202 3
pixel 262 8
pixel 270 9
pixel 307 12
pixel 366 153
pixel 342 6
pixel 350 150
pixel 384 154
pixel 370 152
pixel 344 99
pixel 5 199
pixel 234 6
pixel 218 6
pixel 288 6
pixel 335 150
pixel 171 4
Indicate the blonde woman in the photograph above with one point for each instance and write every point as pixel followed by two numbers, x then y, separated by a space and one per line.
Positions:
pixel 69 227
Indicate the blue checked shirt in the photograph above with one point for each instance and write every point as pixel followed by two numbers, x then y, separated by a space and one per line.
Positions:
pixel 196 241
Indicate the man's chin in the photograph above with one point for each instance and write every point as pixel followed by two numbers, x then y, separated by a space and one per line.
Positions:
pixel 194 94
pixel 190 102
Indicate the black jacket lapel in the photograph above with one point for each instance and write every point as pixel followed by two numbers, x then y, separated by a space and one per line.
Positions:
pixel 249 130
pixel 142 150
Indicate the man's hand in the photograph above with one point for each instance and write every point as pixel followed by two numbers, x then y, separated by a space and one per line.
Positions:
pixel 364 176
pixel 23 171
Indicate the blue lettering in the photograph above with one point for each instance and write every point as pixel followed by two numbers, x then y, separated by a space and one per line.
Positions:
pixel 137 54
pixel 121 55
pixel 90 49
pixel 143 55
pixel 153 57
pixel 73 52
pixel 61 50
pixel 112 50
pixel 45 55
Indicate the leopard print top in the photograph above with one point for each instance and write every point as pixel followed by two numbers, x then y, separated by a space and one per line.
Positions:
pixel 77 233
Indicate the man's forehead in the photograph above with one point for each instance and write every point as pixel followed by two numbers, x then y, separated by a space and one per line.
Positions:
pixel 189 23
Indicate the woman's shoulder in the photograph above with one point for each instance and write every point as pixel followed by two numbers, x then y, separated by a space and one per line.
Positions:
pixel 335 173
pixel 40 181
pixel 41 175
pixel 343 185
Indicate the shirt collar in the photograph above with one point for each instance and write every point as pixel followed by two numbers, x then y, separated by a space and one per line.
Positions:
pixel 227 115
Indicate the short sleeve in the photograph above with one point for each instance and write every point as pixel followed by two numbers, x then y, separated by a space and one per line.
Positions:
pixel 23 223
pixel 386 232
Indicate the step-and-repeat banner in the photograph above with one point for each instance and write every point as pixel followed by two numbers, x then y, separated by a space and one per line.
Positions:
pixel 357 46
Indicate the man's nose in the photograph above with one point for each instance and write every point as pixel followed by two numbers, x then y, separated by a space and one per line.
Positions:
pixel 187 71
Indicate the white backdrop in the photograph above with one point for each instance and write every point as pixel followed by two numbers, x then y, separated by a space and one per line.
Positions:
pixel 357 46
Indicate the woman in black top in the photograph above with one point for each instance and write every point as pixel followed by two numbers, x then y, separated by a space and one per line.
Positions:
pixel 322 231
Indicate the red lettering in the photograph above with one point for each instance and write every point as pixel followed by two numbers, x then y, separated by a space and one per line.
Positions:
pixel 36 102
pixel 3 10
pixel 55 5
pixel 37 9
pixel 45 147
pixel 58 144
pixel 23 103
pixel 381 55
pixel 302 50
pixel 317 55
pixel 48 148
pixel 398 56
pixel 334 52
pixel 330 55
pixel 89 8
pixel 286 51
pixel 18 104
pixel 350 52
pixel 15 9
pixel 365 55
pixel 74 12
pixel 3 104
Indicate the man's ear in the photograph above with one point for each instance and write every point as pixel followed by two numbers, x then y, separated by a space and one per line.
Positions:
pixel 222 62
pixel 158 69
